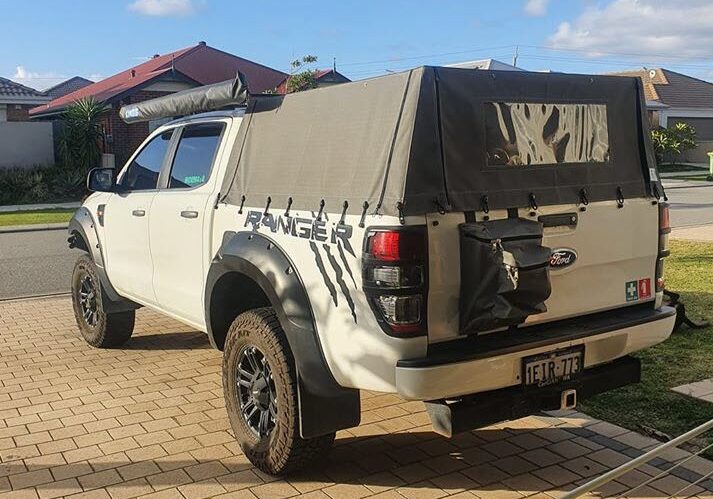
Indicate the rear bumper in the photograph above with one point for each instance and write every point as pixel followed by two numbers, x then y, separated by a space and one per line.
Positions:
pixel 480 410
pixel 475 365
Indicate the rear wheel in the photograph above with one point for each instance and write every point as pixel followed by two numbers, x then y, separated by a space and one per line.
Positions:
pixel 260 387
pixel 98 328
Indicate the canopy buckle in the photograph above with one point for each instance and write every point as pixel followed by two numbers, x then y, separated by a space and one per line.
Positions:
pixel 344 212
pixel 619 198
pixel 267 206
pixel 364 207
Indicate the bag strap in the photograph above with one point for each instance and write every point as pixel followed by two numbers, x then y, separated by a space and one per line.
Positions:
pixel 469 216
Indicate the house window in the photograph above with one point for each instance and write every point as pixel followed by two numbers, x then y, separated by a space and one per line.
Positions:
pixel 536 133
pixel 3 112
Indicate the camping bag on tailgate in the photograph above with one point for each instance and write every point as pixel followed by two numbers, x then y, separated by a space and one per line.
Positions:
pixel 504 273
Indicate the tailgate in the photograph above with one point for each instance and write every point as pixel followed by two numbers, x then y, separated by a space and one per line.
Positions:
pixel 609 261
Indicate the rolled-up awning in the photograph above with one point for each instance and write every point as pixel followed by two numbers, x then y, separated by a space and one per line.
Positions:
pixel 195 100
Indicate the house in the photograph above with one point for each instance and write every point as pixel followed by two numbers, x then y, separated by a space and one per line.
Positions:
pixel 161 75
pixel 16 100
pixel 673 97
pixel 22 143
pixel 324 77
pixel 67 86
pixel 485 64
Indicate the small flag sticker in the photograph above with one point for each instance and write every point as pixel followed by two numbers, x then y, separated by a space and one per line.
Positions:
pixel 632 290
pixel 644 288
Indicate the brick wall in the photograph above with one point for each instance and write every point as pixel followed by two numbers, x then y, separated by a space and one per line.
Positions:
pixel 123 139
pixel 21 114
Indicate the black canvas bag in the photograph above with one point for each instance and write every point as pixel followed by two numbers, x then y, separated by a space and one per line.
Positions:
pixel 504 273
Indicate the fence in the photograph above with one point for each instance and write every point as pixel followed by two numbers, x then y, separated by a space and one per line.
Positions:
pixel 685 491
pixel 25 144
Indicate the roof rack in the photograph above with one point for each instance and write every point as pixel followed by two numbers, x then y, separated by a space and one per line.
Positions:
pixel 195 100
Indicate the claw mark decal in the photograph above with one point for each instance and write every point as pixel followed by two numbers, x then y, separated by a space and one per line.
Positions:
pixel 322 270
pixel 343 257
pixel 340 279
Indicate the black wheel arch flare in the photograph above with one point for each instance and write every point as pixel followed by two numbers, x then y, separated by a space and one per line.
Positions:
pixel 83 235
pixel 325 406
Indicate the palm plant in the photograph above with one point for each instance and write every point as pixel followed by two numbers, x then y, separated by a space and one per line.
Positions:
pixel 81 136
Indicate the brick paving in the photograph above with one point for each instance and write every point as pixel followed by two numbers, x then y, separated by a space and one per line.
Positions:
pixel 149 420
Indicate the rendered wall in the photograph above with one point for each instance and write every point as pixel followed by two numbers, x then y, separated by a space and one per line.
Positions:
pixel 26 144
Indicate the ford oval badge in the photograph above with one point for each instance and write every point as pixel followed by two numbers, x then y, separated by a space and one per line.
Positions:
pixel 562 257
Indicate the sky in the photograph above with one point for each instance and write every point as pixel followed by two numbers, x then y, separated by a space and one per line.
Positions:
pixel 45 41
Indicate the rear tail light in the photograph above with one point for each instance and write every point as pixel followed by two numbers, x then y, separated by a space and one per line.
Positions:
pixel 402 313
pixel 664 218
pixel 395 278
pixel 664 230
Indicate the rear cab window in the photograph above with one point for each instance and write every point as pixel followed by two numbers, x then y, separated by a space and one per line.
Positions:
pixel 537 133
pixel 195 155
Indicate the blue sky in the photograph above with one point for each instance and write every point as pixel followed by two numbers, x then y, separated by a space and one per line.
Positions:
pixel 44 41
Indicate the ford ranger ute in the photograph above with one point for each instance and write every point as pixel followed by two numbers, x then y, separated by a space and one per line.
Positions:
pixel 490 243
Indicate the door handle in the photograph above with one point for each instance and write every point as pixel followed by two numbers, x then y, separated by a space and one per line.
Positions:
pixel 138 213
pixel 189 214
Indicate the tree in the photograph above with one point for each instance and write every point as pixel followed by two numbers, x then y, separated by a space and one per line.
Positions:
pixel 82 134
pixel 673 140
pixel 302 77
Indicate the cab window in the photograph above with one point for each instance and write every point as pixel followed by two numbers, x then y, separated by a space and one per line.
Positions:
pixel 195 155
pixel 142 174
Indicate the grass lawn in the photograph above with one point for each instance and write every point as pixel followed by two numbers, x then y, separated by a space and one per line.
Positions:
pixel 674 167
pixel 31 217
pixel 684 358
pixel 705 177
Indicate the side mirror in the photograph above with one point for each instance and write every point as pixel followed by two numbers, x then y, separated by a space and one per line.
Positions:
pixel 101 180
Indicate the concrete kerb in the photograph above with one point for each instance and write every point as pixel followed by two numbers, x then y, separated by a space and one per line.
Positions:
pixel 32 207
pixel 31 228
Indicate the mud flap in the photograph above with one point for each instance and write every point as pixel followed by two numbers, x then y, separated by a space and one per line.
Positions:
pixel 320 415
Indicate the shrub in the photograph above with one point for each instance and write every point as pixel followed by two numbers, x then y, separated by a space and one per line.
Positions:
pixel 673 140
pixel 50 184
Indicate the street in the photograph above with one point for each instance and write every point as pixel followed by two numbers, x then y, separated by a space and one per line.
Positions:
pixel 691 202
pixel 40 263
pixel 35 263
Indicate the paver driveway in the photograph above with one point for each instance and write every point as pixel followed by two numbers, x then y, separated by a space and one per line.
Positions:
pixel 149 420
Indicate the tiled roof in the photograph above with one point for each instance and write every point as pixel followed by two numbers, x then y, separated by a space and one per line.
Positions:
pixel 673 89
pixel 67 86
pixel 199 63
pixel 9 88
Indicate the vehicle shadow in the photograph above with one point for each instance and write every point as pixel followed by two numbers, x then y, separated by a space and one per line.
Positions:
pixel 181 340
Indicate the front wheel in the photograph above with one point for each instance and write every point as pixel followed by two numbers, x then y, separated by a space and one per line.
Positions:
pixel 98 328
pixel 260 387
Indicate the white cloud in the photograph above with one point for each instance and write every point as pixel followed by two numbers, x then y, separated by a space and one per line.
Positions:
pixel 36 80
pixel 665 28
pixel 163 8
pixel 536 7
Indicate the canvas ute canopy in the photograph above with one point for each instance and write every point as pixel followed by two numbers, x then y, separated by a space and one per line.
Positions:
pixel 446 139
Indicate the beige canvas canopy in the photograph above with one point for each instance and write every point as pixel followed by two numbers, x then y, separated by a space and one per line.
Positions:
pixel 445 139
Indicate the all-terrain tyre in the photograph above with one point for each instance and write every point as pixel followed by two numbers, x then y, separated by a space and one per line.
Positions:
pixel 99 328
pixel 272 443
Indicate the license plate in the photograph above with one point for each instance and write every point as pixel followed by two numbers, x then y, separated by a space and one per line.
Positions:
pixel 552 367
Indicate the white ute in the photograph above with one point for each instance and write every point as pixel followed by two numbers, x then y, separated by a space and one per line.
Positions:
pixel 491 243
